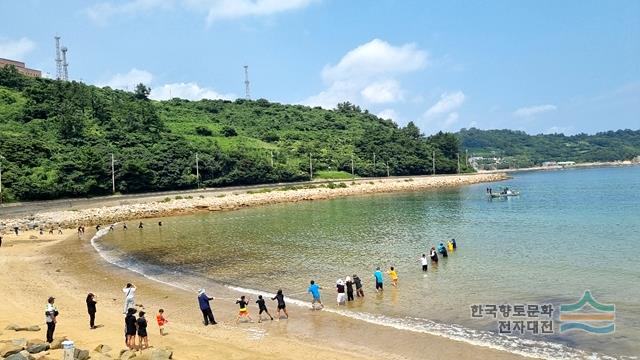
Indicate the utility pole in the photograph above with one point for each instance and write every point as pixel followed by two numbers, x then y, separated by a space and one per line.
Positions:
pixel 353 174
pixel 197 170
pixel 458 163
pixel 271 158
pixel 1 157
pixel 387 163
pixel 433 163
pixel 466 157
pixel 310 168
pixel 113 176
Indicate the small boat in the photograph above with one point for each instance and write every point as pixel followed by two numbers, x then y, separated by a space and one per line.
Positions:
pixel 503 193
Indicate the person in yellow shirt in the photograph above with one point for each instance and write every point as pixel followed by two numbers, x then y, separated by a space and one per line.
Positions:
pixel 393 274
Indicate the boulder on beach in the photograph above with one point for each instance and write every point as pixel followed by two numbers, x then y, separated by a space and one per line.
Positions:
pixel 127 354
pixel 15 327
pixel 102 349
pixel 57 343
pixel 79 354
pixel 22 355
pixel 9 349
pixel 155 354
pixel 37 348
pixel 35 341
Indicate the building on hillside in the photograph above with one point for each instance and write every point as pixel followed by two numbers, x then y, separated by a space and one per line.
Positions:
pixel 20 67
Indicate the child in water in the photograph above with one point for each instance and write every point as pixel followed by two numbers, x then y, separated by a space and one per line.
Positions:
pixel 262 308
pixel 393 274
pixel 424 262
pixel 244 310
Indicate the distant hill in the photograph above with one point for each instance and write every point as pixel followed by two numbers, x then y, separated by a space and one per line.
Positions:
pixel 523 150
pixel 57 139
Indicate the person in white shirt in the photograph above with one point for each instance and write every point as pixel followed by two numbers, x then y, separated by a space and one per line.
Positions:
pixel 51 313
pixel 129 297
pixel 425 262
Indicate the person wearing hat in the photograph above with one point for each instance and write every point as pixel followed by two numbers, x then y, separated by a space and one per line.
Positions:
pixel 341 295
pixel 51 313
pixel 207 313
pixel 129 297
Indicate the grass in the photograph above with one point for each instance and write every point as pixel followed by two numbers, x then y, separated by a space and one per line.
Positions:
pixel 326 174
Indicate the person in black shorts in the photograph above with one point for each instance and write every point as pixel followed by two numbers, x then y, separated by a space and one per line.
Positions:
pixel 349 284
pixel 143 340
pixel 262 308
pixel 130 328
pixel 281 304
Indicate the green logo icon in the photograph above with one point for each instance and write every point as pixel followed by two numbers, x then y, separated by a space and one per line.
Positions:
pixel 588 315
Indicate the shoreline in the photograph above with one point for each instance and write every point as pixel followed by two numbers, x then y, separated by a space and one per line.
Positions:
pixel 588 165
pixel 155 205
pixel 67 267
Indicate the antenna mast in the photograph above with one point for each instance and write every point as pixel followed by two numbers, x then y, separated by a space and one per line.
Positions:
pixel 58 59
pixel 65 65
pixel 246 82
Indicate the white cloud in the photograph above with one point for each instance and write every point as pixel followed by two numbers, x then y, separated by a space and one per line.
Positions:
pixel 530 111
pixel 368 74
pixel 375 58
pixel 382 92
pixel 129 80
pixel 234 9
pixel 443 114
pixel 16 49
pixel 388 114
pixel 190 91
pixel 215 9
pixel 447 103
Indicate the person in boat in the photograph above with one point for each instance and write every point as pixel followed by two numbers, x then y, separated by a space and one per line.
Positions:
pixel 442 250
pixel 434 255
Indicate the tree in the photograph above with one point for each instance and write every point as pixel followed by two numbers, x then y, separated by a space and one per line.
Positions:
pixel 142 92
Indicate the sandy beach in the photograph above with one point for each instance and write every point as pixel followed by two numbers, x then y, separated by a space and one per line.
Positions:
pixel 66 266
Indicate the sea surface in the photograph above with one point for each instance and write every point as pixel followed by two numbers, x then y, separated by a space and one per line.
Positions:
pixel 569 231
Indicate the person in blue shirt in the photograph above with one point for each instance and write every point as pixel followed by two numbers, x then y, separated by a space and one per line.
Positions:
pixel 314 290
pixel 378 275
pixel 207 313
pixel 442 250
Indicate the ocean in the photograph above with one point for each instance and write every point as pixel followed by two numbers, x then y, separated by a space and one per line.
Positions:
pixel 568 232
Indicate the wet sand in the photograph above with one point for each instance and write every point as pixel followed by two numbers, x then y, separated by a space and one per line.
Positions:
pixel 67 267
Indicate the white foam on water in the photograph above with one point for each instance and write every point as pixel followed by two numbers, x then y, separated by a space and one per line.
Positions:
pixel 509 343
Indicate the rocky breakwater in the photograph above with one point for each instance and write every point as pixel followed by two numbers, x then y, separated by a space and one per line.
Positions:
pixel 220 201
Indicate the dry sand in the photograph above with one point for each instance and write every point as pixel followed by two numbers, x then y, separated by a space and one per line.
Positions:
pixel 35 267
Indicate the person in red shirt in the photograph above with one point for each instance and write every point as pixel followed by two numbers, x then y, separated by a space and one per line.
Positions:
pixel 161 321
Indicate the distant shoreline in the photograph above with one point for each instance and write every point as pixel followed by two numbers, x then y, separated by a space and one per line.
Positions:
pixel 625 163
pixel 112 210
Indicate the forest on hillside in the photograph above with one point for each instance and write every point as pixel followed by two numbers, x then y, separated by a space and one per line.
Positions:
pixel 517 148
pixel 57 137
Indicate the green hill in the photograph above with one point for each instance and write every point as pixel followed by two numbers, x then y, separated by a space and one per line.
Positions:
pixel 56 140
pixel 523 150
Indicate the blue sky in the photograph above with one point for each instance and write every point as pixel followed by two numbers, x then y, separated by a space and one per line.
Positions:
pixel 537 66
